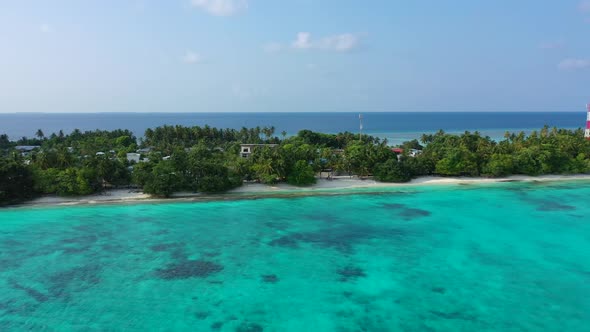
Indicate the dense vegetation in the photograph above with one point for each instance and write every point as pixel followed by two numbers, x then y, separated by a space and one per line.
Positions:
pixel 204 159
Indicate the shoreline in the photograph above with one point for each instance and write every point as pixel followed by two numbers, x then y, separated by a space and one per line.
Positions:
pixel 339 185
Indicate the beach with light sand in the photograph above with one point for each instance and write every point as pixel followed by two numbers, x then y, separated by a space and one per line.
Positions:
pixel 336 184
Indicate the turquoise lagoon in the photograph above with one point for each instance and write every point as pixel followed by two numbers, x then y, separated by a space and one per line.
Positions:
pixel 500 257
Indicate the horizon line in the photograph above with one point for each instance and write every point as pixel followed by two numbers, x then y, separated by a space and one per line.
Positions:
pixel 283 112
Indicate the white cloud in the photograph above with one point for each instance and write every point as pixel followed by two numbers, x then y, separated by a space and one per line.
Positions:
pixel 344 42
pixel 191 57
pixel 221 7
pixel 302 42
pixel 574 64
pixel 340 43
pixel 45 28
pixel 584 6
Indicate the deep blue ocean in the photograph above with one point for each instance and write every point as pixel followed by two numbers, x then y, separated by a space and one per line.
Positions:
pixel 396 126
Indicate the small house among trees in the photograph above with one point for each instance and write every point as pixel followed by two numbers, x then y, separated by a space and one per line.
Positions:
pixel 247 149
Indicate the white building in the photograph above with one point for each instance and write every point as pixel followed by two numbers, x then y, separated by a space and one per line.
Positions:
pixel 145 150
pixel 25 150
pixel 415 152
pixel 247 149
pixel 133 157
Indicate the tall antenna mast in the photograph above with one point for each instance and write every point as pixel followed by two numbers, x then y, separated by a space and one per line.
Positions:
pixel 361 127
pixel 587 133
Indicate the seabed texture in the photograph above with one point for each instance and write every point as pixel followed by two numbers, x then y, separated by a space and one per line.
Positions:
pixel 500 257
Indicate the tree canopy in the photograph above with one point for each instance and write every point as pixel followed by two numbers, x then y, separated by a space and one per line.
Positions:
pixel 208 160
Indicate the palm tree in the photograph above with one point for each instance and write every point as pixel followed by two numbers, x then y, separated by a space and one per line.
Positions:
pixel 267 132
pixel 284 134
pixel 42 160
pixel 40 134
pixel 64 158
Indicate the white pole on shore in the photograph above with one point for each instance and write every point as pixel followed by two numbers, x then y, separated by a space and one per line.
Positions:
pixel 360 127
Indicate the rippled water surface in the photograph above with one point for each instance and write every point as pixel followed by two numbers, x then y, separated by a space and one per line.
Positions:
pixel 504 257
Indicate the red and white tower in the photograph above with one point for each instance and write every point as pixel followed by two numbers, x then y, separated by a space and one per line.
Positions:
pixel 587 133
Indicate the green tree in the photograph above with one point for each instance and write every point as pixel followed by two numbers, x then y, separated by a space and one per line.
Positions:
pixel 76 181
pixel 526 161
pixel 499 165
pixel 16 181
pixel 142 173
pixel 269 164
pixel 45 180
pixel 458 161
pixel 302 174
pixel 393 170
pixel 164 180
pixel 4 142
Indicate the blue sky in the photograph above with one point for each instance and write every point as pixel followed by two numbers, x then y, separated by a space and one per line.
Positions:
pixel 294 55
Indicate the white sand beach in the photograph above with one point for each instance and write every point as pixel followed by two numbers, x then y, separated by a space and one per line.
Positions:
pixel 346 182
pixel 258 189
pixel 114 195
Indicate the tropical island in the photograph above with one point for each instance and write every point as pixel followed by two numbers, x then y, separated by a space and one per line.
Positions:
pixel 172 159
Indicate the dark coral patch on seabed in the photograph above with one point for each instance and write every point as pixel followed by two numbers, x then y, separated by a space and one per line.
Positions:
pixel 460 315
pixel 323 217
pixel 270 278
pixel 351 272
pixel 189 269
pixel 553 206
pixel 216 326
pixel 82 239
pixel 35 294
pixel 82 277
pixel 164 247
pixel 393 206
pixel 339 238
pixel 202 315
pixel 440 290
pixel 406 212
pixel 546 205
pixel 288 241
pixel 414 213
pixel 144 219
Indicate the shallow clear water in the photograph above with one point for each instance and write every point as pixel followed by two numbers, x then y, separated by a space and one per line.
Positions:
pixel 503 257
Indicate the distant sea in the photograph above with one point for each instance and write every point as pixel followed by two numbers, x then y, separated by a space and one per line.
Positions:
pixel 396 127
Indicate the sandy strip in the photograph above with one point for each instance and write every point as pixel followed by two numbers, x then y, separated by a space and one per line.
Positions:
pixel 256 190
pixel 354 183
pixel 115 195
